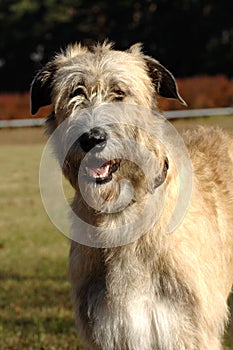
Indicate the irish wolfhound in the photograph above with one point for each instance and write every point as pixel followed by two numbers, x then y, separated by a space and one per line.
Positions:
pixel 136 287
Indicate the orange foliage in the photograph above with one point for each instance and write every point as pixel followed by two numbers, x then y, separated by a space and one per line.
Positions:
pixel 17 106
pixel 13 105
pixel 202 92
pixel 198 92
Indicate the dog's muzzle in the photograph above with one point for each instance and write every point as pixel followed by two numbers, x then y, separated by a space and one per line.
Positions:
pixel 97 170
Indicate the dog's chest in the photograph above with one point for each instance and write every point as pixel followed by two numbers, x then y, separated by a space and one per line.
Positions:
pixel 129 318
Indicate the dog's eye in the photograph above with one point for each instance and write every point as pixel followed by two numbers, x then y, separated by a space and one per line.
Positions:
pixel 119 95
pixel 78 92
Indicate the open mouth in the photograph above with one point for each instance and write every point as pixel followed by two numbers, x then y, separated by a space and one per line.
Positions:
pixel 103 173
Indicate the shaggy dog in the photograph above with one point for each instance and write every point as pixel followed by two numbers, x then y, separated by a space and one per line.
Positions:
pixel 136 287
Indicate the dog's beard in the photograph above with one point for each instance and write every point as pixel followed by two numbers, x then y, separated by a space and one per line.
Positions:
pixel 118 211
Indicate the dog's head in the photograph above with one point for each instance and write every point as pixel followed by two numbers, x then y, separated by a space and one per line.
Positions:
pixel 102 101
pixel 79 77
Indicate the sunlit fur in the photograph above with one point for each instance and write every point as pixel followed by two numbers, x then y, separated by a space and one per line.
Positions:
pixel 163 292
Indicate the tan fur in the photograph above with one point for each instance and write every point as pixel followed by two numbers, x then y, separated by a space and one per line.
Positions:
pixel 162 291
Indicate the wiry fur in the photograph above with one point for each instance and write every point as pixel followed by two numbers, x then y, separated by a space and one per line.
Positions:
pixel 164 292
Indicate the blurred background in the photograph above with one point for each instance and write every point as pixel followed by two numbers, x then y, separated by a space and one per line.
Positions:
pixel 192 38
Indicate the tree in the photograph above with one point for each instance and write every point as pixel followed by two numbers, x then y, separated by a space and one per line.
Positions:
pixel 188 36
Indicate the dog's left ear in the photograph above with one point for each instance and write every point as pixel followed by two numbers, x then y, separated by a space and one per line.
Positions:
pixel 41 88
pixel 163 80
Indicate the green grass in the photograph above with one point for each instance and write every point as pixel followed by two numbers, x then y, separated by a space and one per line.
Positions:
pixel 35 303
pixel 35 307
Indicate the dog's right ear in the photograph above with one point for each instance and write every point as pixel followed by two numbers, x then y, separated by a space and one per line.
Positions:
pixel 41 87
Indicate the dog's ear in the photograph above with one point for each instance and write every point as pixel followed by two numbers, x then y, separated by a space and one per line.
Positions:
pixel 163 80
pixel 41 87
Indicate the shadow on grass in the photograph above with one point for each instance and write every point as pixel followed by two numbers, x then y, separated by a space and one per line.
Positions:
pixel 36 313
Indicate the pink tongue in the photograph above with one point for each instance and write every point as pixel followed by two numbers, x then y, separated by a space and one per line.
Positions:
pixel 99 172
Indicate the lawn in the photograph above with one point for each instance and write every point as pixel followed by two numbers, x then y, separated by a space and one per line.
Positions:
pixel 35 307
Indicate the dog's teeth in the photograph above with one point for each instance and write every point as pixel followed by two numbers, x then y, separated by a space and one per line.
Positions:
pixel 98 172
pixel 102 172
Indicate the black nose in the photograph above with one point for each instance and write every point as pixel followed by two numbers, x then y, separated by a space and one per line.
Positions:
pixel 96 137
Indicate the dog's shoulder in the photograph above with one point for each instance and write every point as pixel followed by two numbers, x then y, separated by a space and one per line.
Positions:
pixel 211 153
pixel 211 144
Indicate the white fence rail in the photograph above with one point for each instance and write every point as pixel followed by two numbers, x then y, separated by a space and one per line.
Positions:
pixel 191 113
pixel 19 123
